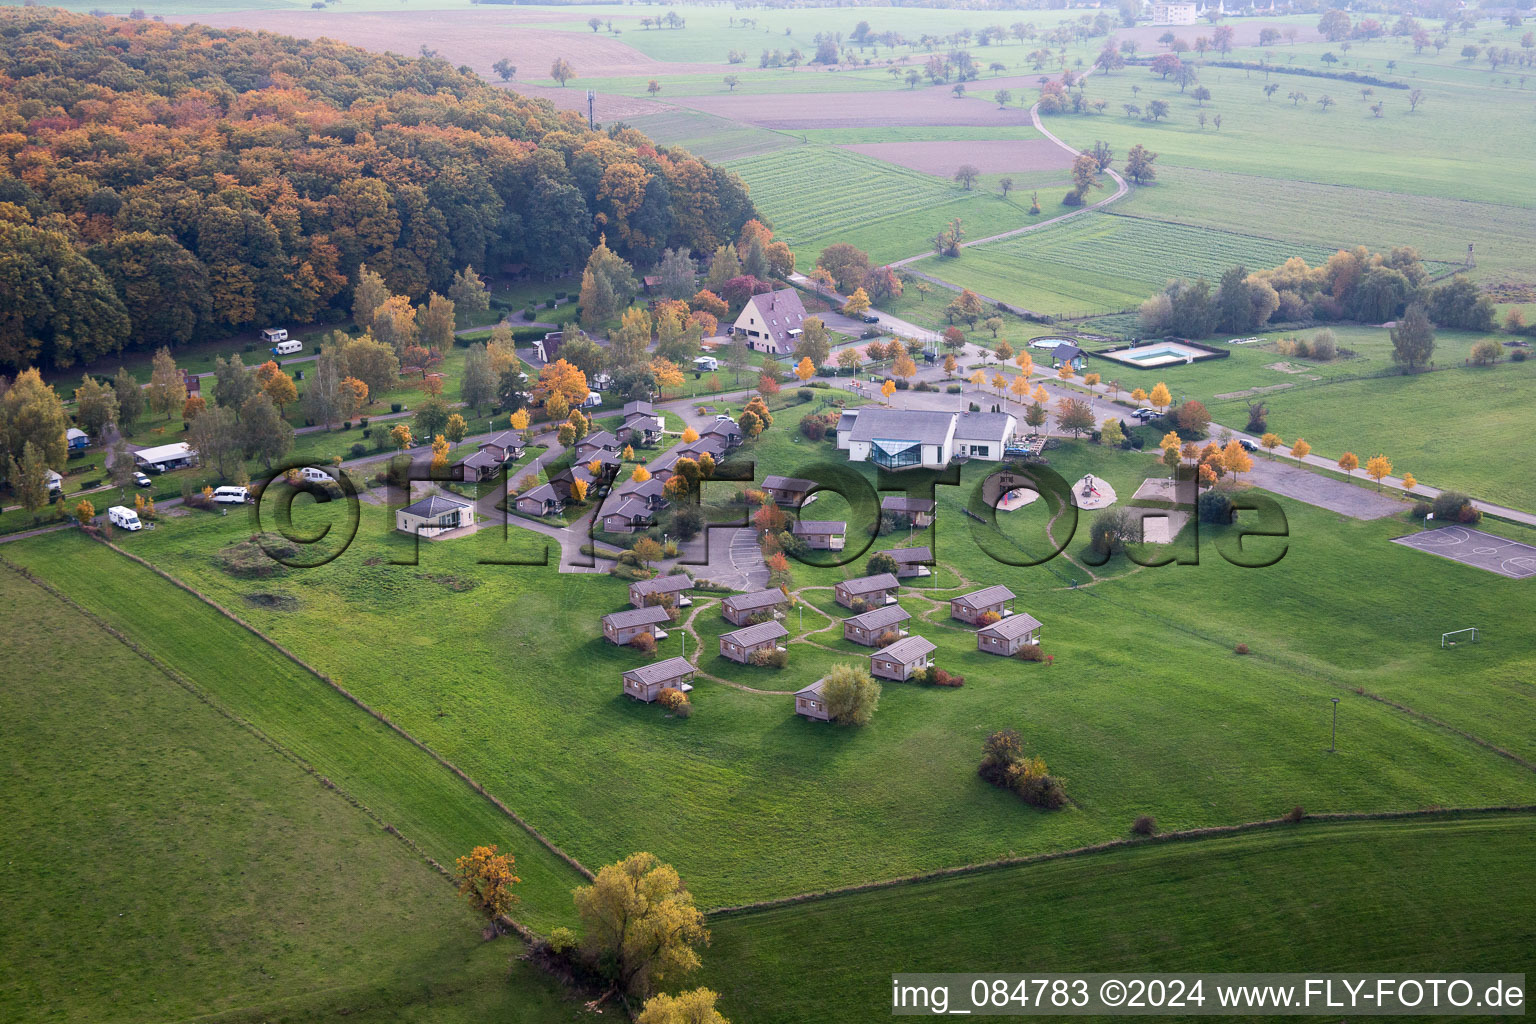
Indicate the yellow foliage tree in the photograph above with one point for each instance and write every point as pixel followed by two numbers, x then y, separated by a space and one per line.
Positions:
pixel 805 369
pixel 667 374
pixel 1025 362
pixel 857 304
pixel 439 454
pixel 1349 462
pixel 696 1006
pixel 401 435
pixel 999 382
pixel 1171 440
pixel 628 454
pixel 1300 449
pixel 1409 482
pixel 456 429
pixel 1065 371
pixel 578 489
pixel 690 435
pixel 1040 394
pixel 1091 379
pixel 85 511
pixel 281 389
pixel 1138 396
pixel 950 365
pixel 519 420
pixel 1269 442
pixel 354 396
pixel 903 367
pixel 485 881
pixel 978 379
pixel 561 379
pixel 1019 388
pixel 888 388
pixel 1235 458
pixel 638 917
pixel 640 475
pixel 1377 467
pixel 1160 398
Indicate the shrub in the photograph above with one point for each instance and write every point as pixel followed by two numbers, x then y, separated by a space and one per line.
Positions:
pixel 671 698
pixel 1421 509
pixel 549 303
pixel 561 941
pixel 998 751
pixel 1295 814
pixel 1241 649
pixel 1109 531
pixel 975 407
pixel 683 710
pixel 644 643
pixel 559 296
pixel 813 427
pixel 859 606
pixel 1030 652
pixel 362 421
pixel 346 424
pixel 987 618
pixel 919 676
pixel 528 313
pixel 769 657
pixel 953 389
pixel 394 406
pixel 939 677
pixel 887 638
pixel 1004 765
pixel 1144 825
pixel 1517 356
pixel 357 451
pixel 805 394
pixel 1215 507
pixel 1454 507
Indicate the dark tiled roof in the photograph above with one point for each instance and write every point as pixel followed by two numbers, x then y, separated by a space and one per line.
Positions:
pixel 650 615
pixel 890 615
pixel 902 503
pixel 1012 627
pixel 870 584
pixel 660 671
pixel 820 527
pixel 906 651
pixel 751 636
pixel 434 505
pixel 770 598
pixel 911 556
pixel 673 584
pixel 787 483
pixel 983 426
pixel 985 596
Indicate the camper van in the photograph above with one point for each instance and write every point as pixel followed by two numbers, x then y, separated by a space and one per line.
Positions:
pixel 287 348
pixel 124 517
pixel 273 335
pixel 315 476
pixel 231 495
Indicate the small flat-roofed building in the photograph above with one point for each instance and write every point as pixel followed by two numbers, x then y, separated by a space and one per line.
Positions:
pixel 809 702
pixel 622 627
pixel 646 682
pixel 868 628
pixel 1006 636
pixel 971 607
pixel 821 534
pixel 901 659
pixel 739 609
pixel 741 644
pixel 166 457
pixel 876 589
pixel 676 584
pixel 983 435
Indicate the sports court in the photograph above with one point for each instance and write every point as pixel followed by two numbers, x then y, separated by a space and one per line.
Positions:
pixel 1474 547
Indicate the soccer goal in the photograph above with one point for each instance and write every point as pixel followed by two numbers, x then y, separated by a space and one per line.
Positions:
pixel 1450 639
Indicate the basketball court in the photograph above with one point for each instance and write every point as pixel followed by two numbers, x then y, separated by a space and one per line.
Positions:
pixel 1476 548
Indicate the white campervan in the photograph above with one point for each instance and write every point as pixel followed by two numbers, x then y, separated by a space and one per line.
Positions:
pixel 316 476
pixel 273 335
pixel 287 348
pixel 231 495
pixel 124 517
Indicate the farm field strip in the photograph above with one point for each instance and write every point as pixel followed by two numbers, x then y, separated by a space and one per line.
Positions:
pixel 258 684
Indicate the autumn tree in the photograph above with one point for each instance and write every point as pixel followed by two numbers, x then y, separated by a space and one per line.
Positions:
pixel 1138 164
pixel 857 304
pixel 1269 442
pixel 1074 416
pixel 904 367
pixel 667 374
pixel 166 391
pixel 279 387
pixel 695 1006
pixel 1377 468
pixel 1413 339
pixel 563 381
pixel 95 407
pixel 608 285
pixel 1301 449
pixel 29 477
pixel 1235 458
pixel 1160 398
pixel 815 341
pixel 847 264
pixel 1349 462
pixel 1110 432
pixel 130 399
pixel 400 434
pixel 888 389
pixel 562 71
pixel 485 879
pixel 851 694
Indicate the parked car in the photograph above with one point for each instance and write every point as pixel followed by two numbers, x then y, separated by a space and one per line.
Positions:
pixel 142 480
pixel 1248 446
pixel 929 356
pixel 870 318
pixel 1144 415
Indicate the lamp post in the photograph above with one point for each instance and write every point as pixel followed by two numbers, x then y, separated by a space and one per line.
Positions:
pixel 1332 740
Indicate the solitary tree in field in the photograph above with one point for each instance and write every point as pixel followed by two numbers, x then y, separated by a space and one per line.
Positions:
pixel 1349 462
pixel 594 23
pixel 562 71
pixel 1415 97
pixel 1413 339
pixel 1005 186
pixel 731 82
pixel 1003 98
pixel 967 175
pixel 1138 164
pixel 1201 94
pixel 485 881
pixel 653 87
pixel 504 68
pixel 640 922
pixel 1325 101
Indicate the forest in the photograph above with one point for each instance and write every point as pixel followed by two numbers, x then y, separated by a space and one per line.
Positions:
pixel 161 184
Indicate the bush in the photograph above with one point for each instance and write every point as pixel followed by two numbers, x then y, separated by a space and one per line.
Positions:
pixel 357 451
pixel 1030 652
pixel 859 606
pixel 1421 509
pixel 362 421
pixel 1517 356
pixel 1144 825
pixel 987 618
pixel 805 394
pixel 1109 531
pixel 561 941
pixel 975 407
pixel 1454 507
pixel 346 424
pixel 769 657
pixel 813 427
pixel 672 699
pixel 528 313
pixel 644 643
pixel 683 710
pixel 394 406
pixel 939 677
pixel 1241 649
pixel 1295 814
pixel 887 638
pixel 1215 507
pixel 549 303
pixel 559 296
pixel 953 389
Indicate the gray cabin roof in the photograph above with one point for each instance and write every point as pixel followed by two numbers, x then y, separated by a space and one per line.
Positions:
pixel 673 584
pixel 787 483
pixel 1067 350
pixel 543 492
pixel 918 427
pixel 480 458
pixel 1012 627
pixel 661 671
pixel 650 615
pixel 758 599
pixel 505 439
pixel 434 505
pixel 814 690
pixel 631 408
pixel 645 489
pixel 601 439
pixel 820 527
pixel 890 615
pixel 983 426
pixel 985 596
pixel 630 508
pixel 911 556
pixel 908 650
pixel 902 503
pixel 870 584
pixel 751 636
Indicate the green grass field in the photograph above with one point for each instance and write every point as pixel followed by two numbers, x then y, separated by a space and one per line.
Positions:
pixel 149 832
pixel 1097 262
pixel 1416 895
pixel 726 796
pixel 888 211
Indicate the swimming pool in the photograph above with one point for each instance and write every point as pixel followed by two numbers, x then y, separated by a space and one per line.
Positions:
pixel 1161 353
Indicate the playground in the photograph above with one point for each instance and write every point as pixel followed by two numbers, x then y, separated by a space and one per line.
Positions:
pixel 1474 547
pixel 1092 493
pixel 1017 498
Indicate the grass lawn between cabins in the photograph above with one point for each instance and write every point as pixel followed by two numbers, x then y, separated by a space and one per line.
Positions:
pixel 149 831
pixel 1146 709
